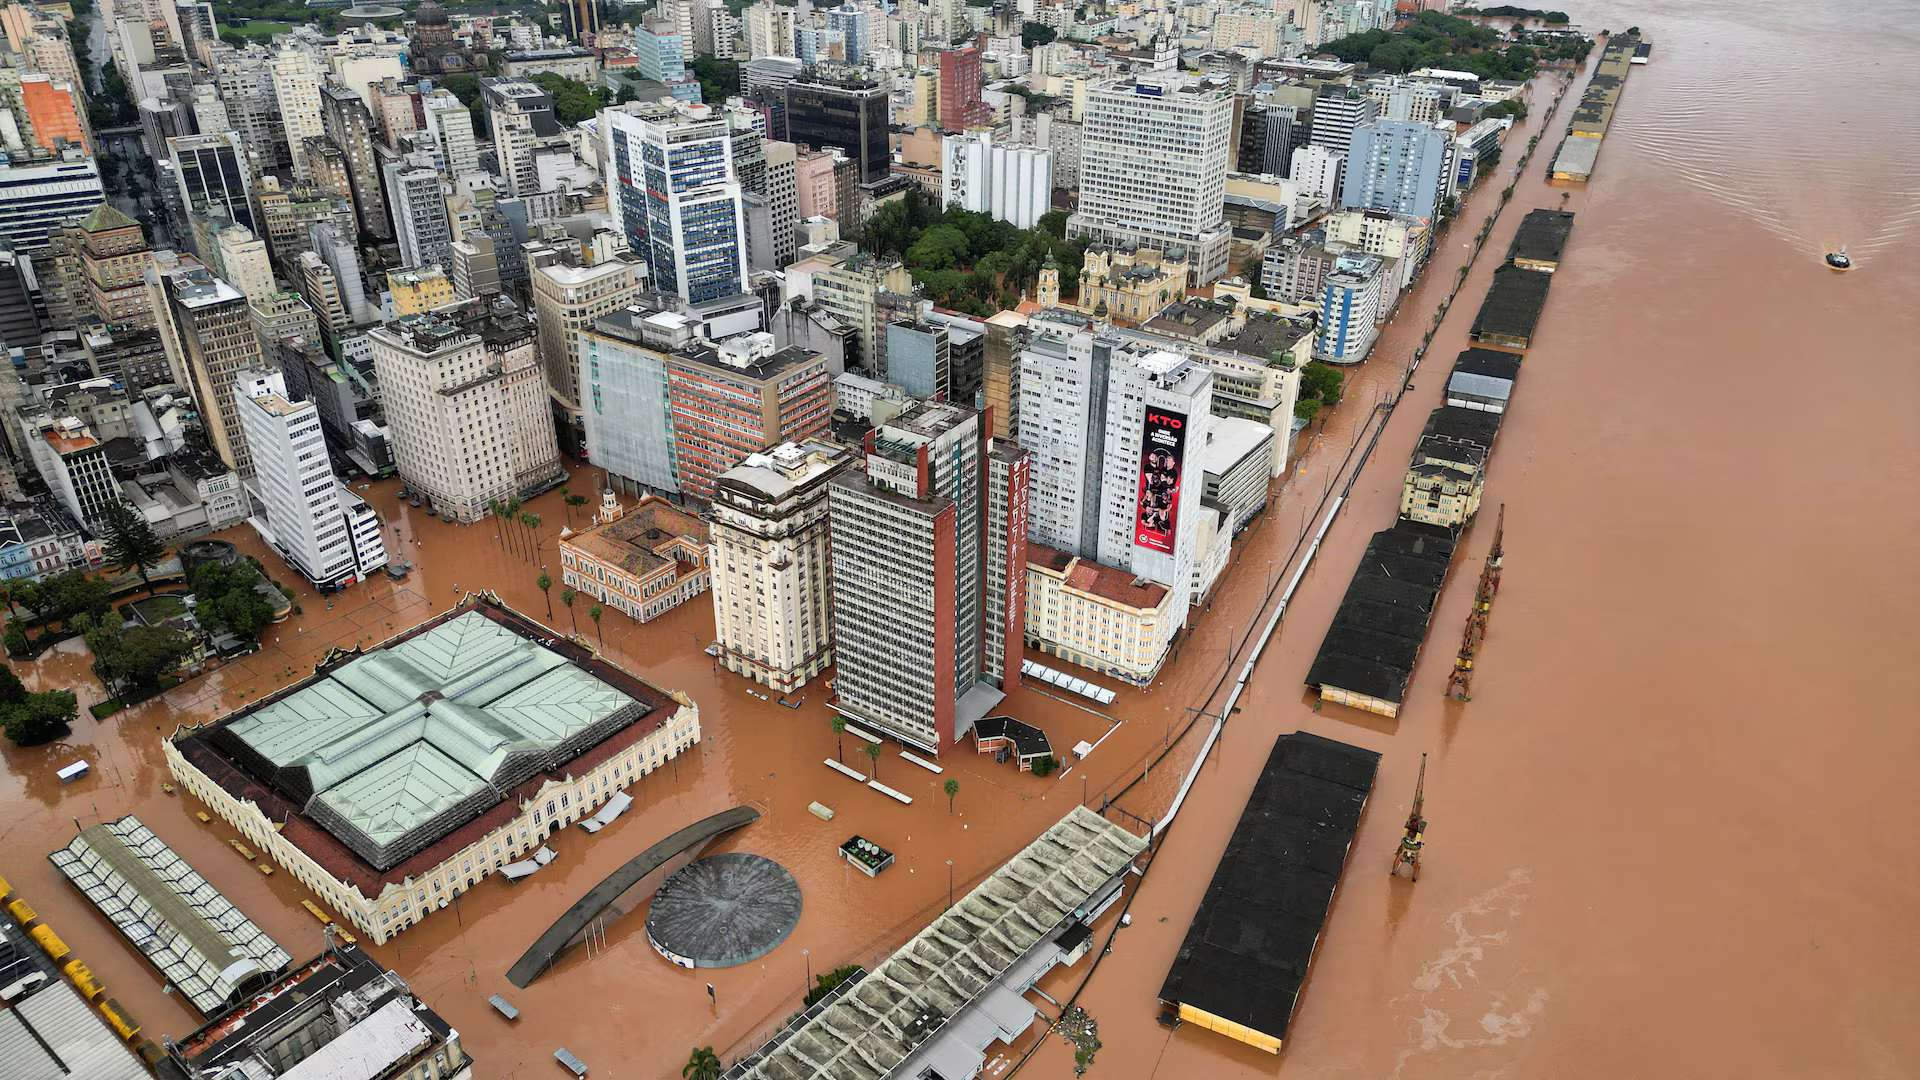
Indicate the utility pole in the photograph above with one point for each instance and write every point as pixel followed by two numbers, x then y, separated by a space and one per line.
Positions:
pixel 1460 680
pixel 1414 837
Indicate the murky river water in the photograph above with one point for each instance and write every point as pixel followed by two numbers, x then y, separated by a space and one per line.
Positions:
pixel 1666 836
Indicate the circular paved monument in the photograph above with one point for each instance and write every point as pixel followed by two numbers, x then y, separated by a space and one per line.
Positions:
pixel 723 910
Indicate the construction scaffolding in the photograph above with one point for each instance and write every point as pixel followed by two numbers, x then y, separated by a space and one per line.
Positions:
pixel 1460 682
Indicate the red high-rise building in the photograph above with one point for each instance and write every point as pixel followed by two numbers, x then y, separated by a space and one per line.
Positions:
pixel 960 104
pixel 740 398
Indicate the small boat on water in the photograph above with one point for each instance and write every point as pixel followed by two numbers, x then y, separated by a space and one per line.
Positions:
pixel 1838 260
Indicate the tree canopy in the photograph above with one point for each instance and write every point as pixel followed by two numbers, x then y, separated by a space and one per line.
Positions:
pixel 229 597
pixel 129 542
pixel 1432 39
pixel 572 101
pixel 970 262
pixel 32 718
pixel 719 79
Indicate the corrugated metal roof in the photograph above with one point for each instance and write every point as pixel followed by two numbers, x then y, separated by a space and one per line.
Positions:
pixel 1479 386
pixel 85 1046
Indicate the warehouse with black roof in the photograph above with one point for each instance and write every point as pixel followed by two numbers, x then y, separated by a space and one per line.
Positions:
pixel 1540 240
pixel 1512 308
pixel 1367 658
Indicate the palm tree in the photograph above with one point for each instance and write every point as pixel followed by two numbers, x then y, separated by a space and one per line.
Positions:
pixel 512 506
pixel 839 728
pixel 703 1065
pixel 594 614
pixel 566 597
pixel 573 501
pixel 952 788
pixel 532 522
pixel 129 542
pixel 546 583
pixel 873 751
pixel 493 507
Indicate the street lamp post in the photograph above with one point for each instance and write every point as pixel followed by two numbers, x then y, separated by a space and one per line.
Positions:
pixel 949 882
pixel 809 985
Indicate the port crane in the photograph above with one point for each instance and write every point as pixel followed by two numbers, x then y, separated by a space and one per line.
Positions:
pixel 1414 837
pixel 1460 680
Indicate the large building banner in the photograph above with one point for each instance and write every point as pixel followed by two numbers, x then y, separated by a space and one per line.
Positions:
pixel 1163 446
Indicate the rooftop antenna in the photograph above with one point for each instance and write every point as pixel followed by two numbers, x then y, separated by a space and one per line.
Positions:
pixel 1414 836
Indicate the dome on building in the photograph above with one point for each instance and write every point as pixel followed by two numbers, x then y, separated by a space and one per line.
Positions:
pixel 431 14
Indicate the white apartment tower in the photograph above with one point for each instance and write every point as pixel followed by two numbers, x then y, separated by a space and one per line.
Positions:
pixel 328 534
pixel 672 188
pixel 1153 167
pixel 1013 183
pixel 420 220
pixel 296 88
pixel 771 582
pixel 452 127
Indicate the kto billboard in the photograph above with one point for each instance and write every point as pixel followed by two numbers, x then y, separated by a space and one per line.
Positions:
pixel 1163 447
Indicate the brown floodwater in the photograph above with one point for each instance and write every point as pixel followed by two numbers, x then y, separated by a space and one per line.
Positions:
pixel 1665 836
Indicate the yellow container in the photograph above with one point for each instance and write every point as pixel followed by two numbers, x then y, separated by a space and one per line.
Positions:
pixel 6 890
pixel 122 1022
pixel 84 981
pixel 22 912
pixel 50 943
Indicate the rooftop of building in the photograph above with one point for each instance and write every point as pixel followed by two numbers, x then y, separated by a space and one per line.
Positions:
pixel 1184 321
pixel 1246 955
pixel 1542 236
pixel 1231 439
pixel 761 367
pixel 386 761
pixel 1095 579
pixel 1407 563
pixel 1265 337
pixel 1514 302
pixel 1473 426
pixel 632 542
pixel 1500 365
pixel 783 470
pixel 55 1035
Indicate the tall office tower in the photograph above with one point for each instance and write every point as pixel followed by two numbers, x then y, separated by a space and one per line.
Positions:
pixel 350 127
pixel 281 316
pixel 74 463
pixel 338 249
pixel 961 106
pixel 1399 166
pixel 680 15
pixel 772 247
pixel 394 107
pixel 1353 297
pixel 855 26
pixel 1013 183
pixel 114 258
pixel 1337 110
pixel 246 85
pixel 213 173
pixel 675 193
pixel 911 550
pixel 850 289
pixel 520 114
pixel 1004 585
pixel 296 91
pixel 583 21
pixel 452 126
pixel 568 297
pixel 1319 172
pixel 851 115
pixel 1063 412
pixel 320 286
pixel 661 54
pixel 476 266
pixel 769 30
pixel 1266 139
pixel 329 535
pixel 624 390
pixel 467 410
pixel 240 259
pixel 723 29
pixel 920 359
pixel 814 185
pixel 419 214
pixel 1153 167
pixel 1004 337
pixel 39 190
pixel 737 397
pixel 209 338
pixel 772 590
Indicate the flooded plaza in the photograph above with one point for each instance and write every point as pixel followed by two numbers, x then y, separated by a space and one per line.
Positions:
pixel 1666 836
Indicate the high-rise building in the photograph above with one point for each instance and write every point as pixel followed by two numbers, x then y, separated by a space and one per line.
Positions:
pixel 246 85
pixel 240 259
pixel 1153 167
pixel 769 30
pixel 350 127
pixel 331 536
pixel 674 191
pixel 626 417
pixel 851 116
pixel 420 221
pixel 475 266
pixel 39 190
pixel 737 397
pixel 566 298
pixel 1337 110
pixel 296 90
pixel 770 239
pixel 209 338
pixel 662 54
pixel 1319 172
pixel 1399 166
pixel 451 123
pixel 1353 298
pixel 466 409
pixel 521 115
pixel 73 462
pixel 1013 183
pixel 912 553
pixel 848 284
pixel 855 25
pixel 961 106
pixel 114 258
pixel 768 553
pixel 583 21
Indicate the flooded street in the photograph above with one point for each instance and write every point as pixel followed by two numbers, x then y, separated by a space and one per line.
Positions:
pixel 1667 835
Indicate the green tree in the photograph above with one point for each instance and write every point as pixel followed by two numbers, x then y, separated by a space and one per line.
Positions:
pixel 16 637
pixel 566 597
pixel 73 593
pixel 12 690
pixel 702 1064
pixel 1255 290
pixel 826 984
pixel 464 87
pixel 39 717
pixel 1043 766
pixel 839 724
pixel 132 658
pixel 1034 33
pixel 572 101
pixel 594 613
pixel 873 751
pixel 229 596
pixel 1322 382
pixel 719 79
pixel 942 247
pixel 129 542
pixel 952 788
pixel 573 502
pixel 532 522
pixel 545 582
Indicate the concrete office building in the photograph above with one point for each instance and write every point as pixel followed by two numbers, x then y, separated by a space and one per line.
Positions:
pixel 420 220
pixel 734 398
pixel 1353 300
pixel 773 212
pixel 241 260
pixel 1398 166
pixel 521 115
pixel 772 593
pixel 349 126
pixel 1013 183
pixel 912 550
pixel 330 535
pixel 296 91
pixel 568 297
pixel 520 735
pixel 1153 167
pixel 1337 111
pixel 467 410
pixel 213 174
pixel 673 191
pixel 451 125
pixel 851 116
pixel 1319 172
pixel 961 106
pixel 208 333
pixel 1097 617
